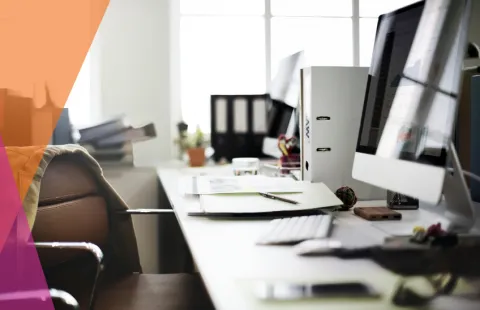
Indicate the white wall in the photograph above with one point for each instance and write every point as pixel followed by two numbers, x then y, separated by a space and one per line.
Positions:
pixel 135 71
pixel 175 75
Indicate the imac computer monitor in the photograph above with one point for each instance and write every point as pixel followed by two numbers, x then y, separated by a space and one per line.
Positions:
pixel 283 117
pixel 285 86
pixel 410 106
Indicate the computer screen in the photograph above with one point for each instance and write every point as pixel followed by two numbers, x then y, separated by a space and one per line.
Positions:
pixel 410 109
pixel 394 38
pixel 422 118
pixel 410 103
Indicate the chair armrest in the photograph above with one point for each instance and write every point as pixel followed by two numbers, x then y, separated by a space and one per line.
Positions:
pixel 65 298
pixel 82 246
pixel 146 211
pixel 41 295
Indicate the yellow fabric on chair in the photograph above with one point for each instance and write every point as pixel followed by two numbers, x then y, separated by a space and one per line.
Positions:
pixel 27 172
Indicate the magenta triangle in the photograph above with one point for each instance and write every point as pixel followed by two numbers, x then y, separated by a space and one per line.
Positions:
pixel 20 268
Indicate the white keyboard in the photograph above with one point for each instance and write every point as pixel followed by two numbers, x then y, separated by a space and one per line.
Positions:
pixel 293 230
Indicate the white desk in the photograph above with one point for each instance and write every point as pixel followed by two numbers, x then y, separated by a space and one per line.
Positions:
pixel 231 264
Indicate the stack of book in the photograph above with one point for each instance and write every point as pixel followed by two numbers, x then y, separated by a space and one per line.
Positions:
pixel 112 141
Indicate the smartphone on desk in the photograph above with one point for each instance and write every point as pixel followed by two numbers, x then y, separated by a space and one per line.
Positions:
pixel 292 291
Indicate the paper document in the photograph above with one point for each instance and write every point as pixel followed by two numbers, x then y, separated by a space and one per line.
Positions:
pixel 187 183
pixel 313 196
pixel 207 185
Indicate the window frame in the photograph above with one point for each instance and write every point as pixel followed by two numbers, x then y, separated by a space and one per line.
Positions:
pixel 268 16
pixel 268 32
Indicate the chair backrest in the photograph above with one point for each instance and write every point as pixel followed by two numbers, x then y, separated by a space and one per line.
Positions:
pixel 72 208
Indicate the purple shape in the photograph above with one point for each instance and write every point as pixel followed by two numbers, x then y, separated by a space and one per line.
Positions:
pixel 20 268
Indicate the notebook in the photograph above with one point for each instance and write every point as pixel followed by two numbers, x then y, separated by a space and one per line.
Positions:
pixel 314 197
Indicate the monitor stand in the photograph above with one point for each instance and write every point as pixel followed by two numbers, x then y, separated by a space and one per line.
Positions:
pixel 460 211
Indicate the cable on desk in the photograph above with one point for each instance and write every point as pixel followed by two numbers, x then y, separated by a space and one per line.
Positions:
pixel 469 174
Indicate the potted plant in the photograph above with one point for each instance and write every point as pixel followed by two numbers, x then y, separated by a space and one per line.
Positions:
pixel 196 150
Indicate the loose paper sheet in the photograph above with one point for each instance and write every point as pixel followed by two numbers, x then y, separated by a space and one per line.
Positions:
pixel 207 185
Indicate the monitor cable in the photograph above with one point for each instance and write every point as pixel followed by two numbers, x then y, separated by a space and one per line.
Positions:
pixel 468 174
pixel 471 175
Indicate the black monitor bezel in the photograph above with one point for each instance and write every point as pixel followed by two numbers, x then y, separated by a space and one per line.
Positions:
pixel 370 149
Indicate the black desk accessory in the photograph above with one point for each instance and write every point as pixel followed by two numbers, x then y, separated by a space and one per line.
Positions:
pixel 305 291
pixel 440 257
pixel 397 201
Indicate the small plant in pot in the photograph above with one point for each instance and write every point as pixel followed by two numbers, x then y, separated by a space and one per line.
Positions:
pixel 196 150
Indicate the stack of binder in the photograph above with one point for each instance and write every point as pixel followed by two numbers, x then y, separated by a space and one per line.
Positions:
pixel 112 141
pixel 238 125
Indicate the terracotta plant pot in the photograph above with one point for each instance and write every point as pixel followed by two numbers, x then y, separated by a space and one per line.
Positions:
pixel 196 156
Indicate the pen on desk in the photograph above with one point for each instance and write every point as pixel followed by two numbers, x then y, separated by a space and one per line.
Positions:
pixel 274 197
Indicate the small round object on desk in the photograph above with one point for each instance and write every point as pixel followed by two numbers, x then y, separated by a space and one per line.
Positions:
pixel 347 196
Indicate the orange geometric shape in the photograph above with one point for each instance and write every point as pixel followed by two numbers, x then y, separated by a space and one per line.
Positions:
pixel 43 46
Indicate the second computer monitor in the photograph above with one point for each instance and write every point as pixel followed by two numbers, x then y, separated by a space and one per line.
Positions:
pixel 284 93
pixel 285 86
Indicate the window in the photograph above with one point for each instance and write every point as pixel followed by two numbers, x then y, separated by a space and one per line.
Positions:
pixel 234 46
pixel 291 34
pixel 219 55
pixel 84 100
pixel 369 10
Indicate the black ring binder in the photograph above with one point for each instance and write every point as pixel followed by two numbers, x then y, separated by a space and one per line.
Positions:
pixel 231 144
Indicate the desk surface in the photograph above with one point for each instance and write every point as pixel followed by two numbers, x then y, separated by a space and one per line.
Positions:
pixel 232 265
